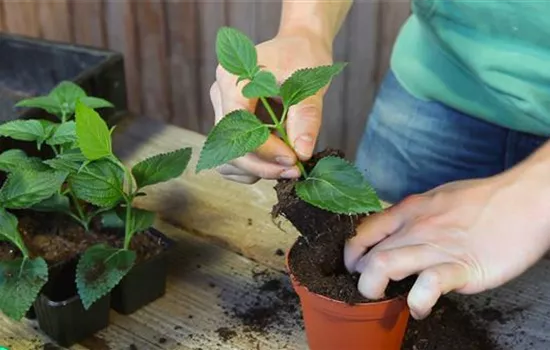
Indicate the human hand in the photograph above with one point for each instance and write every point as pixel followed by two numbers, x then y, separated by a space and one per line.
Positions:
pixel 281 55
pixel 466 236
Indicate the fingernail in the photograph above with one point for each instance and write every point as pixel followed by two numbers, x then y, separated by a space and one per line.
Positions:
pixel 286 161
pixel 302 142
pixel 290 173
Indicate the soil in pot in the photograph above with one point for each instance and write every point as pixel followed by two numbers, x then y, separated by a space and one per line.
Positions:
pixel 316 260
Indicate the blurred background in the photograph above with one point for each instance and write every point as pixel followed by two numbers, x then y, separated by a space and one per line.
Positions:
pixel 168 48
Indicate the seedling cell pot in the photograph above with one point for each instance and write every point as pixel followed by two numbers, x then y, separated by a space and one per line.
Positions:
pixel 332 324
pixel 67 322
pixel 146 281
pixel 60 312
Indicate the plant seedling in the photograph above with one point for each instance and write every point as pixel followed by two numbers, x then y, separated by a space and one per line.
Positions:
pixel 99 177
pixel 333 184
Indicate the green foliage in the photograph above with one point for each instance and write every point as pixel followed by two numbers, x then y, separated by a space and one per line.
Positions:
pixel 307 82
pixel 61 101
pixel 236 52
pixel 337 186
pixel 161 168
pixel 27 130
pixel 10 232
pixel 237 134
pixel 99 182
pixel 20 282
pixel 94 137
pixel 100 269
pixel 65 133
pixel 16 159
pixel 334 184
pixel 25 187
pixel 264 84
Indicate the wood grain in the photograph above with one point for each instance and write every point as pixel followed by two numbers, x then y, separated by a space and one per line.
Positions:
pixel 87 22
pixel 2 17
pixel 155 81
pixel 183 59
pixel 122 36
pixel 55 20
pixel 21 17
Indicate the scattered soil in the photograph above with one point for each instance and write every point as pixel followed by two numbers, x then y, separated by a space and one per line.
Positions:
pixel 280 252
pixel 57 238
pixel 316 260
pixel 450 327
pixel 226 333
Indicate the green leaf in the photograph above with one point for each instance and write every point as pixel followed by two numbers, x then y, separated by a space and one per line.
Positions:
pixel 47 103
pixel 25 188
pixel 15 159
pixel 337 186
pixel 307 82
pixel 263 84
pixel 70 161
pixel 25 130
pixel 56 203
pixel 112 219
pixel 95 102
pixel 99 182
pixel 161 168
pixel 236 52
pixel 140 220
pixel 100 269
pixel 9 230
pixel 64 133
pixel 235 135
pixel 94 137
pixel 20 282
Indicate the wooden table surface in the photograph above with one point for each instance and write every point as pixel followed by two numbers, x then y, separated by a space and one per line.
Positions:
pixel 227 272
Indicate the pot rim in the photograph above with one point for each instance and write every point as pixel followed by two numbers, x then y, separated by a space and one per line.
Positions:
pixel 328 299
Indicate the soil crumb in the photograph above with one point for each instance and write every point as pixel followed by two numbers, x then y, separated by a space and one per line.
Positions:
pixel 280 252
pixel 226 334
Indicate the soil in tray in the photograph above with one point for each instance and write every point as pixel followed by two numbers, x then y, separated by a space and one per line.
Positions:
pixel 317 258
pixel 58 238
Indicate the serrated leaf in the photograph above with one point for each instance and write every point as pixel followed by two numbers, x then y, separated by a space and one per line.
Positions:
pixel 161 168
pixel 95 102
pixel 236 52
pixel 235 135
pixel 25 130
pixel 337 186
pixel 9 230
pixel 25 188
pixel 307 82
pixel 93 135
pixel 99 182
pixel 100 269
pixel 47 103
pixel 63 134
pixel 264 84
pixel 55 203
pixel 112 219
pixel 20 282
pixel 140 220
pixel 70 161
pixel 16 159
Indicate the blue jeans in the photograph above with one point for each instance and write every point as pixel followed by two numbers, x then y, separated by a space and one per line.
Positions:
pixel 411 146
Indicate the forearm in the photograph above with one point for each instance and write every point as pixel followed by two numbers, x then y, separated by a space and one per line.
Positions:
pixel 322 18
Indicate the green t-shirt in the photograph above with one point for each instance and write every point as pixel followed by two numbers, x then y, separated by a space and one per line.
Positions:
pixel 489 59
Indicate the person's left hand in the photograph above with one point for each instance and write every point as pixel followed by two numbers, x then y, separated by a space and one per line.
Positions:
pixel 467 236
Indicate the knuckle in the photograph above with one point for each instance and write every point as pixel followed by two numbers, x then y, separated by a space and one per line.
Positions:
pixel 379 261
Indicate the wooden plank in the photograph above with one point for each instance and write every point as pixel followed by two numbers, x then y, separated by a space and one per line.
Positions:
pixel 360 73
pixel 206 203
pixel 55 20
pixel 121 32
pixel 183 59
pixel 243 15
pixel 87 22
pixel 211 15
pixel 21 17
pixel 2 19
pixel 155 87
pixel 208 288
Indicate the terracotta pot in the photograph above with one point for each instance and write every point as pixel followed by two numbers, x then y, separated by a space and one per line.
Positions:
pixel 333 325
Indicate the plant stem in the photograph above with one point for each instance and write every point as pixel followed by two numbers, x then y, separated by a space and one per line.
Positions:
pixel 280 128
pixel 127 233
pixel 82 217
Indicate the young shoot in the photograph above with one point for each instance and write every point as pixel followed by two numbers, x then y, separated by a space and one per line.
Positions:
pixel 333 184
pixel 103 180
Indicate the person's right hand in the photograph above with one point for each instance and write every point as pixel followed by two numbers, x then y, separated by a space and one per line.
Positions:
pixel 281 55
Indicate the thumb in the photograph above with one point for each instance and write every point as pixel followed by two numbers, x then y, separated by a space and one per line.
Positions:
pixel 303 125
